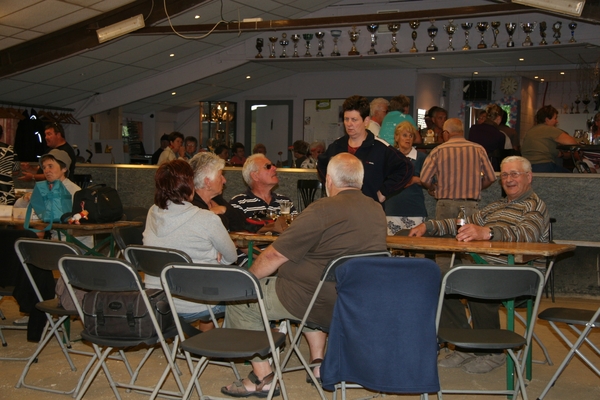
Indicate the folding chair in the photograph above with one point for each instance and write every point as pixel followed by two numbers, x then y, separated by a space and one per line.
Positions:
pixel 114 275
pixel 126 236
pixel 574 318
pixel 499 283
pixel 307 190
pixel 382 335
pixel 328 276
pixel 210 283
pixel 44 255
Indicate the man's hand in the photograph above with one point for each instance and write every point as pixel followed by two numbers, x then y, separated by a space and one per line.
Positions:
pixel 418 230
pixel 267 263
pixel 380 197
pixel 27 177
pixel 471 232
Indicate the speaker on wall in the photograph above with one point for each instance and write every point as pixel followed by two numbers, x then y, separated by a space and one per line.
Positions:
pixel 480 90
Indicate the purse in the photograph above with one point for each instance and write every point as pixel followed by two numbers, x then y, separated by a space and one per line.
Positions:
pixel 102 203
pixel 124 314
pixel 51 201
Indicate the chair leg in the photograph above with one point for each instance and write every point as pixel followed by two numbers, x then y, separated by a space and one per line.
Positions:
pixel 519 370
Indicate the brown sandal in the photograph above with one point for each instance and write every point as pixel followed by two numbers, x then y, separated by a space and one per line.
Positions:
pixel 239 390
pixel 308 379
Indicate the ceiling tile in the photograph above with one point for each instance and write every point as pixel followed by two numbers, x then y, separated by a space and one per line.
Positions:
pixel 66 20
pixel 39 14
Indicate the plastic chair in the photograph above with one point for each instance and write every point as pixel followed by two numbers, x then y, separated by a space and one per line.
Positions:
pixel 307 190
pixel 575 319
pixel 210 283
pixel 498 283
pixel 44 255
pixel 328 276
pixel 383 334
pixel 114 275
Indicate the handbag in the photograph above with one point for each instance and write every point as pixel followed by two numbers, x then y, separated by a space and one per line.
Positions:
pixel 50 201
pixel 102 203
pixel 124 314
pixel 64 297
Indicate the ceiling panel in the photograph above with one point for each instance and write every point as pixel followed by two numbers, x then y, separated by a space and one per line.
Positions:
pixel 39 14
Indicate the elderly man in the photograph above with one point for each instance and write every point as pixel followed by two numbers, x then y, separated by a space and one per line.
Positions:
pixel 387 171
pixel 171 152
pixel 521 217
pixel 379 108
pixel 55 139
pixel 345 222
pixel 456 172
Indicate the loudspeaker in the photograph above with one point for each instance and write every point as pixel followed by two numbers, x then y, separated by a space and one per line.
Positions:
pixel 477 90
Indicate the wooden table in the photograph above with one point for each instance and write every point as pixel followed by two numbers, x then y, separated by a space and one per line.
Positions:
pixel 72 231
pixel 246 239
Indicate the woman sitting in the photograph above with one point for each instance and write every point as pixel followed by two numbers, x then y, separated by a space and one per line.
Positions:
pixel 174 222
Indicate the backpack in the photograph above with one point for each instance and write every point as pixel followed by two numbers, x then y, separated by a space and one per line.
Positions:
pixel 50 201
pixel 102 203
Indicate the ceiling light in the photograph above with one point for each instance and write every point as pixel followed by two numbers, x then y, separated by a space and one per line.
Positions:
pixel 172 55
pixel 568 7
pixel 248 77
pixel 173 93
pixel 562 72
pixel 542 80
pixel 433 58
pixel 475 73
pixel 196 17
pixel 521 59
pixel 120 28
pixel 535 77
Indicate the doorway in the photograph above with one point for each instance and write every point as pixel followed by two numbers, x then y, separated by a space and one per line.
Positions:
pixel 269 122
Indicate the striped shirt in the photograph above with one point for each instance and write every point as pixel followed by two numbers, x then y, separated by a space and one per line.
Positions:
pixel 249 203
pixel 458 167
pixel 525 219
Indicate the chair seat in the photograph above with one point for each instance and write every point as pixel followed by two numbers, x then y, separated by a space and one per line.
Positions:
pixel 121 343
pixel 493 339
pixel 52 307
pixel 231 343
pixel 573 316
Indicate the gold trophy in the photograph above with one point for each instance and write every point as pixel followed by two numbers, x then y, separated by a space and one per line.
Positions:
pixel 353 38
pixel 394 28
pixel 414 25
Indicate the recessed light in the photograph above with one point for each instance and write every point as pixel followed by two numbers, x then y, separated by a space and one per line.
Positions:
pixel 172 55
pixel 562 72
pixel 433 58
pixel 542 80
pixel 248 77
pixel 521 59
pixel 475 73
pixel 173 93
pixel 196 17
pixel 535 77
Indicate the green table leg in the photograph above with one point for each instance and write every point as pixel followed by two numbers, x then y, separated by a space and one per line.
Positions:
pixel 250 252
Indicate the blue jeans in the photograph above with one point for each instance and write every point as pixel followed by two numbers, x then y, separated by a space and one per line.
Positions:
pixel 203 315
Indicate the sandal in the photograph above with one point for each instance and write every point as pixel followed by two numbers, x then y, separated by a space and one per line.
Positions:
pixel 239 390
pixel 308 379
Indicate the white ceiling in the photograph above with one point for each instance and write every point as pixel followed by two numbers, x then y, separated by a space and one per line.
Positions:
pixel 133 58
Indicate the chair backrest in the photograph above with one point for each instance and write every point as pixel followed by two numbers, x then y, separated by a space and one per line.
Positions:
pixel 307 189
pixel 152 260
pixel 43 253
pixel 82 180
pixel 382 334
pixel 329 272
pixel 127 235
pixel 100 273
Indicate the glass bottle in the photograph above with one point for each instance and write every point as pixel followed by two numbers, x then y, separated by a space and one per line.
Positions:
pixel 461 219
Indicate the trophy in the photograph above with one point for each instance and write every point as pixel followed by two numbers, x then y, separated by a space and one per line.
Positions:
pixel 320 35
pixel 353 38
pixel 394 28
pixel 284 42
pixel 336 35
pixel 466 26
pixel 482 27
pixel 308 37
pixel 556 28
pixel 577 101
pixel 528 27
pixel 543 28
pixel 511 27
pixel 432 31
pixel 259 47
pixel 572 27
pixel 372 28
pixel 450 30
pixel 295 39
pixel 495 31
pixel 586 101
pixel 273 40
pixel 414 25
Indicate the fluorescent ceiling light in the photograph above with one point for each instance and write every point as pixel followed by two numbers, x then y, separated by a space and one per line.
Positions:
pixel 120 28
pixel 568 7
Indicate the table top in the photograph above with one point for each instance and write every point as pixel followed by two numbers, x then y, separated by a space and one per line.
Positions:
pixel 584 147
pixel 79 229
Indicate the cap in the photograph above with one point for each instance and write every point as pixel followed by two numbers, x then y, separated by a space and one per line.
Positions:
pixel 59 155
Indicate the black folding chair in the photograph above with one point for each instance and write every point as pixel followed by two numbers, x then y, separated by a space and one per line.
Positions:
pixel 575 319
pixel 210 283
pixel 114 275
pixel 127 236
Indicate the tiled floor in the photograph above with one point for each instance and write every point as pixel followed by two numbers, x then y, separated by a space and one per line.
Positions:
pixel 577 382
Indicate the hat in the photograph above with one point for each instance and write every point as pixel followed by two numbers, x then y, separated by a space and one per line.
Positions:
pixel 58 155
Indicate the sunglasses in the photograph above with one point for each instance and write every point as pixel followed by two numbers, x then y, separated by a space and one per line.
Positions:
pixel 268 166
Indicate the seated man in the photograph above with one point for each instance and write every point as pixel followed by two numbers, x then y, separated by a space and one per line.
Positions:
pixel 521 217
pixel 345 222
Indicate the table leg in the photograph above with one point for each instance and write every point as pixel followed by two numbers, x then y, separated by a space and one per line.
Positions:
pixel 250 252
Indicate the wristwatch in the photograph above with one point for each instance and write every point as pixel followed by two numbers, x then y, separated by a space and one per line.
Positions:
pixel 491 234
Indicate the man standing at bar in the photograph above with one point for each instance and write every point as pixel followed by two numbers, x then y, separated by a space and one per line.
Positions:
pixel 379 108
pixel 521 217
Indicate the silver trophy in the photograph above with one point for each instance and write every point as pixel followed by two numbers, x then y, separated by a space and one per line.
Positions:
pixel 572 27
pixel 259 47
pixel 556 29
pixel 336 35
pixel 320 35
pixel 482 27
pixel 432 31
pixel 372 28
pixel 414 25
pixel 354 34
pixel 511 27
pixel 283 42
pixel 495 31
pixel 450 30
pixel 295 39
pixel 466 26
pixel 528 27
pixel 543 28
pixel 308 37
pixel 273 40
pixel 394 28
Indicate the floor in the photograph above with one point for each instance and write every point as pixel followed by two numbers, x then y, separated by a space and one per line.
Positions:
pixel 577 382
